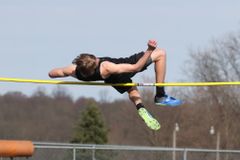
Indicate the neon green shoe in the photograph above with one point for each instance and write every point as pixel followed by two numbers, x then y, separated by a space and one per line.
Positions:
pixel 148 119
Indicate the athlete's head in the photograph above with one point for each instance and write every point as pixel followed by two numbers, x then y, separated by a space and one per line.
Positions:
pixel 86 64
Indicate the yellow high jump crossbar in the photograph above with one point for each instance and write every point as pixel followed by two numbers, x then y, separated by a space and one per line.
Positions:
pixel 187 84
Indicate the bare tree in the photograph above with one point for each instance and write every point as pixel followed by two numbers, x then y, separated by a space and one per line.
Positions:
pixel 219 62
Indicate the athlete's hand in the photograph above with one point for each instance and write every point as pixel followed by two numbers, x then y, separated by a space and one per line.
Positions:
pixel 152 44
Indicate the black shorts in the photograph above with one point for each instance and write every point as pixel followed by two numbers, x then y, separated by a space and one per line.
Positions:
pixel 125 77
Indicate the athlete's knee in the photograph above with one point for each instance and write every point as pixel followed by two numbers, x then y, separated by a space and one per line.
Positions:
pixel 161 52
pixel 158 54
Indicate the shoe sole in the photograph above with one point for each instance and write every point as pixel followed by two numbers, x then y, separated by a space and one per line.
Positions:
pixel 152 123
pixel 155 127
pixel 171 105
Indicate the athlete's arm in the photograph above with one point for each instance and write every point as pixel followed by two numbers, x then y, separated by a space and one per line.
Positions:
pixel 112 68
pixel 109 68
pixel 63 72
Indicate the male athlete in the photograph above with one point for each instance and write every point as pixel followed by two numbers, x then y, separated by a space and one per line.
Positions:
pixel 87 67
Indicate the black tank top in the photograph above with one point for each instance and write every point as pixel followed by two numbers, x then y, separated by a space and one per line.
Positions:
pixel 115 77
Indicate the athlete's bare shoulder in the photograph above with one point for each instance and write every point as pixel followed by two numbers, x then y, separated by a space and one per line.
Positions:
pixel 104 69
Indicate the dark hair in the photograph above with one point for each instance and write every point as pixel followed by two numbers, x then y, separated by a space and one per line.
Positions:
pixel 86 64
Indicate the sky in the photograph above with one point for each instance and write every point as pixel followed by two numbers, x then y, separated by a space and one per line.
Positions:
pixel 36 36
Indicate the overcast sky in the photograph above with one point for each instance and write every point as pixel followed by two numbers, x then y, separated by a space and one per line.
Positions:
pixel 36 36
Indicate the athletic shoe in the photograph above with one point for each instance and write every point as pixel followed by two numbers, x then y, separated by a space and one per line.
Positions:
pixel 167 101
pixel 148 119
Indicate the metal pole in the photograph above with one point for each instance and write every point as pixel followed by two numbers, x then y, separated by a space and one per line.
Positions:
pixel 174 145
pixel 175 130
pixel 74 153
pixel 93 152
pixel 185 154
pixel 218 146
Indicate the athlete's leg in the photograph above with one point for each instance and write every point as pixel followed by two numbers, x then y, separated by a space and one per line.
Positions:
pixel 135 97
pixel 159 57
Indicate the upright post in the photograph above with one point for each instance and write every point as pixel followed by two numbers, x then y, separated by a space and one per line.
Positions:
pixel 175 130
pixel 93 152
pixel 185 154
pixel 74 153
pixel 218 146
pixel 174 145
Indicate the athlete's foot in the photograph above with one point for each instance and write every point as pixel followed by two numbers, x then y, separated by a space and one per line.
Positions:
pixel 151 122
pixel 167 101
